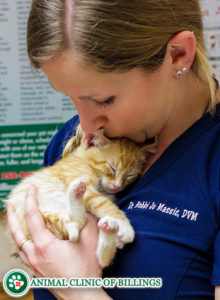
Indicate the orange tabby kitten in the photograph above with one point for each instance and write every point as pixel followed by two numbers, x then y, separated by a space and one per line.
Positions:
pixel 92 169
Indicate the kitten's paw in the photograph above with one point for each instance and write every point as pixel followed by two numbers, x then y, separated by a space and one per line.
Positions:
pixel 73 231
pixel 108 224
pixel 125 233
pixel 108 228
pixel 77 188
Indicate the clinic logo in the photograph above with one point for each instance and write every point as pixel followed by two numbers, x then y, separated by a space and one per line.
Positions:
pixel 16 283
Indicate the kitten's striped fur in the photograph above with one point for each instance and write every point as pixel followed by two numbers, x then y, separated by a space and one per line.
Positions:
pixel 105 168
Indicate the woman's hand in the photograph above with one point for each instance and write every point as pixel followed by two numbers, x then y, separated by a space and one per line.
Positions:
pixel 50 257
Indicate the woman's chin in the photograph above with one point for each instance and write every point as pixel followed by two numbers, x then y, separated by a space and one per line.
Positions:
pixel 138 138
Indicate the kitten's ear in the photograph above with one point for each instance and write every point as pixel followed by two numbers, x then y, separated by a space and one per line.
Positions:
pixel 74 142
pixel 95 139
pixel 150 148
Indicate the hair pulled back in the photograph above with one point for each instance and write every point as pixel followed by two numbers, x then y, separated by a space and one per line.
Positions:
pixel 115 35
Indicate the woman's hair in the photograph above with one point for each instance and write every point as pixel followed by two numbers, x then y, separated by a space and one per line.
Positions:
pixel 115 35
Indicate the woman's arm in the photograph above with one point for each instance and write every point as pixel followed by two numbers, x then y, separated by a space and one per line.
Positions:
pixel 50 257
pixel 91 294
pixel 217 293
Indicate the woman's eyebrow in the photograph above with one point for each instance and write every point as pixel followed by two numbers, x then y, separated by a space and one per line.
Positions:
pixel 81 97
pixel 87 97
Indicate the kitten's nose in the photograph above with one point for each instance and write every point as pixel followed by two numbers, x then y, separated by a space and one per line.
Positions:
pixel 116 187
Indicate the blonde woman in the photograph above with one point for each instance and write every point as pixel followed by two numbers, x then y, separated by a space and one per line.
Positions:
pixel 136 69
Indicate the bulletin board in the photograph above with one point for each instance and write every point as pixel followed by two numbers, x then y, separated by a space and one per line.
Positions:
pixel 30 110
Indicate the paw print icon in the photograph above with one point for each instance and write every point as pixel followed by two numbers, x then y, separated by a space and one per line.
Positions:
pixel 16 283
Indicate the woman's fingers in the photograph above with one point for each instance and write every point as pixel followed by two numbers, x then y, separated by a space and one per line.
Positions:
pixel 23 257
pixel 89 234
pixel 17 234
pixel 14 226
pixel 34 219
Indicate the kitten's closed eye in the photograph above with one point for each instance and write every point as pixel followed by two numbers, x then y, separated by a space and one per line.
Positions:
pixel 131 176
pixel 112 169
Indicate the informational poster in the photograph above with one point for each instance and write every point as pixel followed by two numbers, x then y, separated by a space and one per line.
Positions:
pixel 30 110
pixel 211 17
pixel 21 152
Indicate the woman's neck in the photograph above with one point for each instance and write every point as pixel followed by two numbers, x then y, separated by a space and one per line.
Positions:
pixel 183 117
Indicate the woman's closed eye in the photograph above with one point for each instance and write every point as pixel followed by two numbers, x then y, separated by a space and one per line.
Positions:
pixel 104 103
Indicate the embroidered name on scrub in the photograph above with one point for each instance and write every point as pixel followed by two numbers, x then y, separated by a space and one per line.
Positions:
pixel 161 207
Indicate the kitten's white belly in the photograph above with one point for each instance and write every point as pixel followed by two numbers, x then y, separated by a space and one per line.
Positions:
pixel 55 202
pixel 50 195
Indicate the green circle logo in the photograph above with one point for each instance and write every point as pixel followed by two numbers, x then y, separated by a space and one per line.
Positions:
pixel 16 283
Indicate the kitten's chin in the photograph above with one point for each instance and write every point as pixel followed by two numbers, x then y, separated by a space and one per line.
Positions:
pixel 110 191
pixel 105 189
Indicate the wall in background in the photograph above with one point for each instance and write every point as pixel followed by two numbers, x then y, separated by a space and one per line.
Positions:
pixel 211 16
pixel 30 110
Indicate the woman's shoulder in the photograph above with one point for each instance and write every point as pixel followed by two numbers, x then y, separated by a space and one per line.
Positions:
pixel 206 131
pixel 217 112
pixel 55 148
pixel 209 153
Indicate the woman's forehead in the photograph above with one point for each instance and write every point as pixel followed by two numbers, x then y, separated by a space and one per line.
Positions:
pixel 65 72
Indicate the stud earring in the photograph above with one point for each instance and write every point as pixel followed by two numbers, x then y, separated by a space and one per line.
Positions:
pixel 180 73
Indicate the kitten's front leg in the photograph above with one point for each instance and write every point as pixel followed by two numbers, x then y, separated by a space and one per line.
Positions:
pixel 113 233
pixel 125 232
pixel 108 229
pixel 110 218
pixel 76 207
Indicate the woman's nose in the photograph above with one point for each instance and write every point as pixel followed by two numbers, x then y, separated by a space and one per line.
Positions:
pixel 90 126
pixel 90 120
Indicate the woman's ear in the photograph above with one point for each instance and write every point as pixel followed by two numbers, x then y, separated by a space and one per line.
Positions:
pixel 181 51
pixel 95 139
